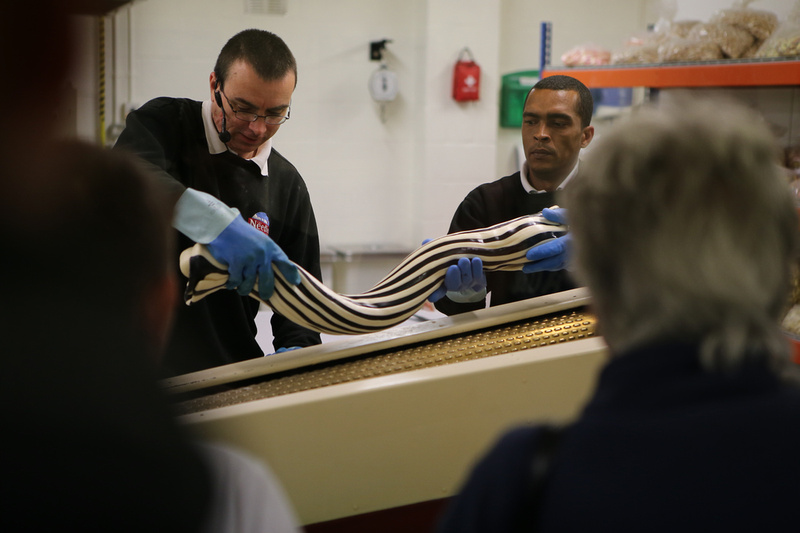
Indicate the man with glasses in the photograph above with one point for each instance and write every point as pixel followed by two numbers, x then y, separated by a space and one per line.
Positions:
pixel 236 194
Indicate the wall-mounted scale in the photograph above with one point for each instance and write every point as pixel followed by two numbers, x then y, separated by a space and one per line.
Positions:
pixel 383 86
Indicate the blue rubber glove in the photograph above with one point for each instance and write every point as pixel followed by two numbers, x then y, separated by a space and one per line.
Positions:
pixel 249 255
pixel 552 255
pixel 463 282
pixel 281 350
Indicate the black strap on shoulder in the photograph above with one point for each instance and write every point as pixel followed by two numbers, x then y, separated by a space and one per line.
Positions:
pixel 540 466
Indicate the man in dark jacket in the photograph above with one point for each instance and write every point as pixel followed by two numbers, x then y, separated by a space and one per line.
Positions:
pixel 238 195
pixel 556 125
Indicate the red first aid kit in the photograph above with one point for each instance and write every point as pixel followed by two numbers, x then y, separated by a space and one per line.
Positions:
pixel 466 78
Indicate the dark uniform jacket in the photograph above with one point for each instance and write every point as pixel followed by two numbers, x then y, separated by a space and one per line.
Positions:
pixel 493 203
pixel 221 329
pixel 662 446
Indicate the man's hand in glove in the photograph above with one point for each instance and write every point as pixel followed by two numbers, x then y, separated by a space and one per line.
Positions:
pixel 249 255
pixel 554 254
pixel 463 282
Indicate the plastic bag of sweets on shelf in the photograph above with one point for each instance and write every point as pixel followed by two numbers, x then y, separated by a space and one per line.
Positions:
pixel 784 41
pixel 733 41
pixel 639 48
pixel 677 49
pixel 791 320
pixel 635 54
pixel 753 50
pixel 681 28
pixel 759 23
pixel 643 47
pixel 588 54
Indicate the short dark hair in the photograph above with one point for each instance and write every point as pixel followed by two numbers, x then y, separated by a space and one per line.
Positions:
pixel 263 50
pixel 560 82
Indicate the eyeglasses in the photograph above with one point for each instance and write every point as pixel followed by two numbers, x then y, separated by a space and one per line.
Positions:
pixel 252 117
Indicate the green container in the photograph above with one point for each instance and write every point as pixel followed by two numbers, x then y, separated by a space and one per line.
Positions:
pixel 513 90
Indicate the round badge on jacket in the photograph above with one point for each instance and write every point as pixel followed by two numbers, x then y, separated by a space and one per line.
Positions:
pixel 260 221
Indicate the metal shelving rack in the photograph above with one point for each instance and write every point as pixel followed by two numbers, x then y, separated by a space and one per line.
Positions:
pixel 727 73
pixel 724 73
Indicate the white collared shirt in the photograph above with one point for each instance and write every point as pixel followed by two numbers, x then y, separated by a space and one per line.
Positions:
pixel 215 146
pixel 529 188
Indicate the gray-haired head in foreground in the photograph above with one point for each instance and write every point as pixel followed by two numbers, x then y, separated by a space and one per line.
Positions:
pixel 684 230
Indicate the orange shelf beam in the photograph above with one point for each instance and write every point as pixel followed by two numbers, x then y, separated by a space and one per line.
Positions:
pixel 769 73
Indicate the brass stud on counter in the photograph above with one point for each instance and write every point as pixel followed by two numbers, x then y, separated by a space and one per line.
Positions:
pixel 509 338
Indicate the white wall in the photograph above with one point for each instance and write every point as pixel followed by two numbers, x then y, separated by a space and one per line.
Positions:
pixel 396 181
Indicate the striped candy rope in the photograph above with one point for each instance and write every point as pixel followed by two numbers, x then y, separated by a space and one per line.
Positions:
pixel 397 296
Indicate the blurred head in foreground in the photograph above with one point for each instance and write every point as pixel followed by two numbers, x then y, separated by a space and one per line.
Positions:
pixel 97 245
pixel 684 230
pixel 85 306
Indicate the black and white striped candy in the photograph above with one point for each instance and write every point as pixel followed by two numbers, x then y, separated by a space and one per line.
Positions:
pixel 397 296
